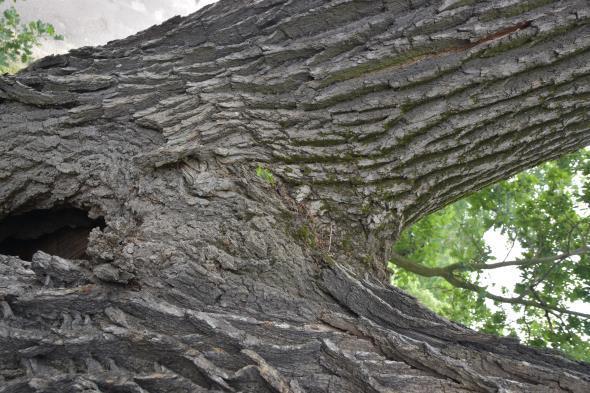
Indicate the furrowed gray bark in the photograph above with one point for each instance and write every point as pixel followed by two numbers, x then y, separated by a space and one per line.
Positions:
pixel 204 277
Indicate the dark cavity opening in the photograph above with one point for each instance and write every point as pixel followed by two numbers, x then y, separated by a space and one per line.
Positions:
pixel 60 231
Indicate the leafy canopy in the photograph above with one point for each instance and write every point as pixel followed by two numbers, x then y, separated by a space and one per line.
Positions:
pixel 17 38
pixel 543 210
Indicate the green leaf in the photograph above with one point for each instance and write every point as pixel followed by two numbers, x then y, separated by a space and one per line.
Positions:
pixel 17 39
pixel 265 175
pixel 542 210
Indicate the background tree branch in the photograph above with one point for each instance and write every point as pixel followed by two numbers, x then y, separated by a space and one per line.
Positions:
pixel 449 274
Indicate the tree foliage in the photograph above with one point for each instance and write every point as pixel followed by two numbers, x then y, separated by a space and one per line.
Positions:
pixel 17 38
pixel 543 210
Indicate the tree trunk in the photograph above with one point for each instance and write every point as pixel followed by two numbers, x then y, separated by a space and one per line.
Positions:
pixel 200 276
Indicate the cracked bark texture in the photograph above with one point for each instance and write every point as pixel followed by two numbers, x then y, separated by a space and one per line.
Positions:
pixel 370 114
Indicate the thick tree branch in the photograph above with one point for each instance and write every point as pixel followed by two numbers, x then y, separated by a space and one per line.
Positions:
pixel 385 113
pixel 370 114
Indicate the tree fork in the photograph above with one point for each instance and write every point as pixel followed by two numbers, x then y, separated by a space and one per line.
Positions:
pixel 205 277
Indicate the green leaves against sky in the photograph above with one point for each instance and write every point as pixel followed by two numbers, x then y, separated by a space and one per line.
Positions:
pixel 545 210
pixel 17 39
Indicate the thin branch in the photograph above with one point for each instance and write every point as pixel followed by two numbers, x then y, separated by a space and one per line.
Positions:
pixel 509 250
pixel 453 280
pixel 543 276
pixel 448 274
pixel 538 298
pixel 417 268
pixel 521 262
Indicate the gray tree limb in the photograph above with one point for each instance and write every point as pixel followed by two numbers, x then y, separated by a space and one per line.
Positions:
pixel 370 114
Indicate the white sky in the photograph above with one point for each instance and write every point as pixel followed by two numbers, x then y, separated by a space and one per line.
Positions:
pixel 95 22
pixel 503 249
